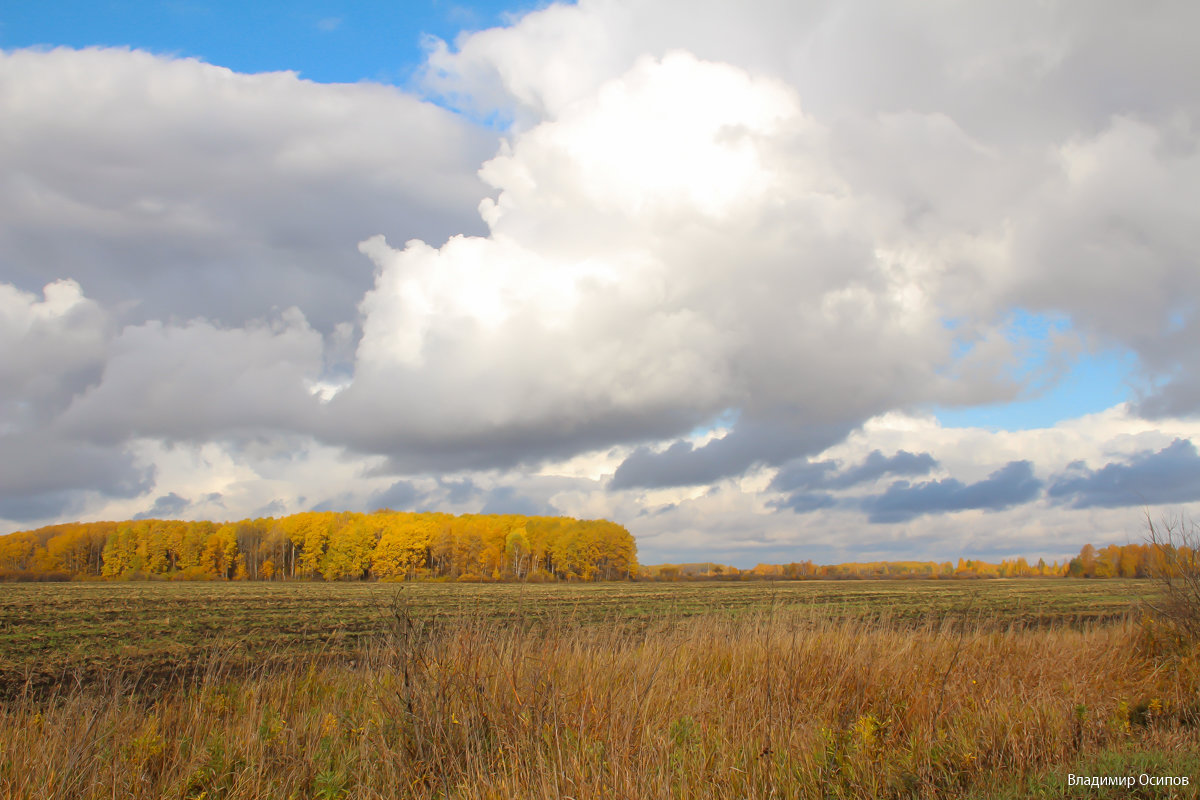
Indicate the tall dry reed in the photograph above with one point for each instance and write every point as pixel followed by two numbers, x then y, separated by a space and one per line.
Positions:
pixel 779 705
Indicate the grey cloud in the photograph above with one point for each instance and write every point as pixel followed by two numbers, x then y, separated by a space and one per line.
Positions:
pixel 198 381
pixel 1170 475
pixel 1011 485
pixel 806 502
pixel 527 496
pixel 748 444
pixel 1106 239
pixel 272 509
pixel 400 496
pixel 658 512
pixel 52 347
pixel 506 500
pixel 167 506
pixel 802 475
pixel 429 429
pixel 876 465
pixel 458 492
pixel 679 464
pixel 825 475
pixel 46 477
pixel 342 501
pixel 803 479
pixel 45 505
pixel 238 194
pixel 37 463
pixel 1179 394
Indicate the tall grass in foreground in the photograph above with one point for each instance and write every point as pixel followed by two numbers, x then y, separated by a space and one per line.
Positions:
pixel 773 706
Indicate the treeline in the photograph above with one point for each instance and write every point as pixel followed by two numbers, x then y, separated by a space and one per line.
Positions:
pixel 472 547
pixel 1113 561
pixel 1127 561
pixel 965 568
pixel 327 545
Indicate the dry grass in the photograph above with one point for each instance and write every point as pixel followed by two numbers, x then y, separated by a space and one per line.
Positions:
pixel 777 705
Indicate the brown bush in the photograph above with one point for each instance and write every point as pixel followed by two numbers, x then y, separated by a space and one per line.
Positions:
pixel 1176 568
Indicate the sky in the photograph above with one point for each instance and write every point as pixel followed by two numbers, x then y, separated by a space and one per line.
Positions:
pixel 831 281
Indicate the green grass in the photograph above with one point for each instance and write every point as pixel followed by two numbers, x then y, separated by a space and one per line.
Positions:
pixel 56 634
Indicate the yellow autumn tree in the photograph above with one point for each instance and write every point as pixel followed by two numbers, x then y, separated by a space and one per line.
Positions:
pixel 309 534
pixel 351 542
pixel 517 553
pixel 403 546
pixel 17 551
pixel 220 552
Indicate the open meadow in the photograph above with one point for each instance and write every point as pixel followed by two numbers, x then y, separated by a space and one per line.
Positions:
pixel 637 690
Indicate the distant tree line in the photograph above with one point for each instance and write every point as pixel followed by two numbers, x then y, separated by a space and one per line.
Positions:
pixel 965 568
pixel 1113 561
pixel 327 545
pixel 1123 561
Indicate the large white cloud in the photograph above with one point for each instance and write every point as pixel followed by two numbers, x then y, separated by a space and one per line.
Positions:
pixel 1039 154
pixel 672 246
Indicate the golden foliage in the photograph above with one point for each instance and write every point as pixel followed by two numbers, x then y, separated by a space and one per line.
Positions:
pixel 331 546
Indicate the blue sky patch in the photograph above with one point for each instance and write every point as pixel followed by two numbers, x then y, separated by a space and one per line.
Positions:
pixel 323 41
pixel 1054 391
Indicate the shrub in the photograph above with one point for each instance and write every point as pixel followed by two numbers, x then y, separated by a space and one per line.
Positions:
pixel 33 576
pixel 193 574
pixel 1175 565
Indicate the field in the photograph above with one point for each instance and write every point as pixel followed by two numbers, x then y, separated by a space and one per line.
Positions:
pixel 52 634
pixel 634 690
